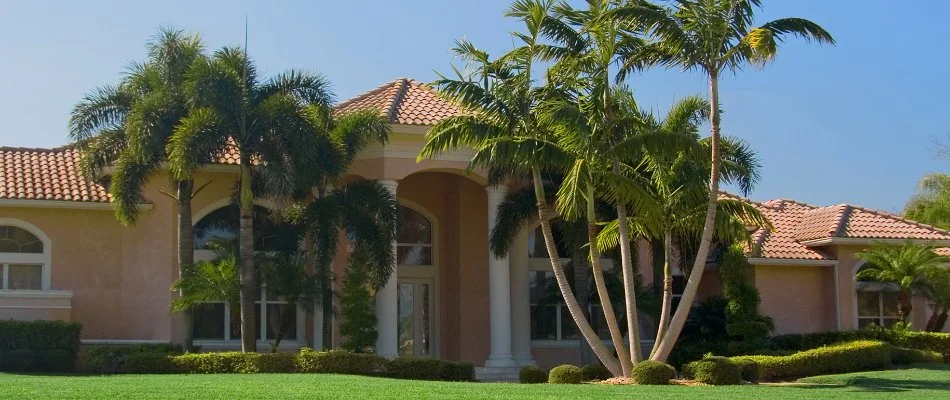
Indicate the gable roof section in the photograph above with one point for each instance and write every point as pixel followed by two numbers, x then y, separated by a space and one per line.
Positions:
pixel 786 217
pixel 403 101
pixel 46 174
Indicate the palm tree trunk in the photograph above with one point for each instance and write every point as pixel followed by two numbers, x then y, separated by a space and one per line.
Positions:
pixel 932 321
pixel 667 291
pixel 941 321
pixel 545 213
pixel 186 256
pixel 629 284
pixel 904 305
pixel 699 265
pixel 248 274
pixel 327 304
pixel 605 304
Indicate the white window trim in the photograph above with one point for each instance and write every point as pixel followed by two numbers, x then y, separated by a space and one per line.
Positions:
pixel 880 317
pixel 45 259
pixel 228 341
pixel 430 272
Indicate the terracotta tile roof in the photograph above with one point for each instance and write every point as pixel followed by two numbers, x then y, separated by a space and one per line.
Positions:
pixel 820 222
pixel 786 216
pixel 867 223
pixel 403 101
pixel 46 174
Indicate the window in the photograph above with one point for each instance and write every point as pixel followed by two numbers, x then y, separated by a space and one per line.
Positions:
pixel 877 304
pixel 537 247
pixel 550 318
pixel 24 261
pixel 679 286
pixel 218 321
pixel 414 244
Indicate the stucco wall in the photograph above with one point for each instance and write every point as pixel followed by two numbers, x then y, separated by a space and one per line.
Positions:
pixel 799 298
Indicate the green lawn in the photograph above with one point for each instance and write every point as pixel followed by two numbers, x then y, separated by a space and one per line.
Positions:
pixel 930 383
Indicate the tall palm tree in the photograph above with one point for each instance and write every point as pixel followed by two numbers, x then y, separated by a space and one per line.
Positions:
pixel 677 183
pixel 931 205
pixel 713 36
pixel 128 127
pixel 508 138
pixel 908 265
pixel 269 124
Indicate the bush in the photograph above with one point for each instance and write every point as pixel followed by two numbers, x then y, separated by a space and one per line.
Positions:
pixel 357 307
pixel 749 370
pixel 340 362
pixel 842 358
pixel 150 363
pixel 595 372
pixel 115 359
pixel 39 346
pixel 568 374
pixel 430 369
pixel 231 362
pixel 532 374
pixel 649 372
pixel 904 356
pixel 715 371
pixel 278 363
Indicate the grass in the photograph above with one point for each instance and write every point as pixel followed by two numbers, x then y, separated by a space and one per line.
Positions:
pixel 927 382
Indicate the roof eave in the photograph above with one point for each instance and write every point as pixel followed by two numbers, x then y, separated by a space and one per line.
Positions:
pixel 791 262
pixel 868 241
pixel 65 204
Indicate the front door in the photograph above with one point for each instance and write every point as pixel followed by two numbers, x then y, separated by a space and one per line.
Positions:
pixel 416 323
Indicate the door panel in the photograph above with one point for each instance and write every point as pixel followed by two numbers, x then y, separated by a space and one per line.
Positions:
pixel 415 321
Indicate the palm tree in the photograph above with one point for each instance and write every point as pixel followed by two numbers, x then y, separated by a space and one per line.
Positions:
pixel 128 127
pixel 712 36
pixel 908 265
pixel 508 137
pixel 288 279
pixel 938 291
pixel 932 204
pixel 269 124
pixel 214 280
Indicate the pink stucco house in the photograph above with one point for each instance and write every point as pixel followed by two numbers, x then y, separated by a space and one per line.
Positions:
pixel 64 256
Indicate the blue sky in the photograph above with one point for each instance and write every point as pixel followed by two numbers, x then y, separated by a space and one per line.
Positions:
pixel 854 123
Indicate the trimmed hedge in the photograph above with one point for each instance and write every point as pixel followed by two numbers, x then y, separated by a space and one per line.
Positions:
pixel 566 374
pixel 649 372
pixel 930 341
pixel 39 346
pixel 838 359
pixel 278 363
pixel 595 372
pixel 749 370
pixel 231 362
pixel 340 362
pixel 714 371
pixel 429 369
pixel 532 374
pixel 904 356
pixel 116 359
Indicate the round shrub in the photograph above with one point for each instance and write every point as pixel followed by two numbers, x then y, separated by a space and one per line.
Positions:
pixel 715 371
pixel 532 374
pixel 565 374
pixel 748 369
pixel 595 372
pixel 649 372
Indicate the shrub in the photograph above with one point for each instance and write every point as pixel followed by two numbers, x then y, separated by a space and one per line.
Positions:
pixel 115 359
pixel 429 369
pixel 39 346
pixel 339 362
pixel 532 374
pixel 231 362
pixel 649 372
pixel 595 372
pixel 749 370
pixel 358 325
pixel 278 363
pixel 715 371
pixel 568 374
pixel 150 363
pixel 842 358
pixel 905 356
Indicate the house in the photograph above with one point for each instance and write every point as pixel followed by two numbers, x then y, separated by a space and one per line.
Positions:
pixel 64 256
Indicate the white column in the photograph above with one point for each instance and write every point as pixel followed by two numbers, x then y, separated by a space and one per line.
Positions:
pixel 386 302
pixel 520 301
pixel 499 293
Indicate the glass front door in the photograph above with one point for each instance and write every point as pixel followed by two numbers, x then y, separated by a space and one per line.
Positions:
pixel 415 317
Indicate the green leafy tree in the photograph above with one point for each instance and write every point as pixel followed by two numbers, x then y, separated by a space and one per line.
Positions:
pixel 713 36
pixel 286 277
pixel 745 324
pixel 128 127
pixel 269 123
pixel 357 307
pixel 908 265
pixel 931 205
pixel 939 292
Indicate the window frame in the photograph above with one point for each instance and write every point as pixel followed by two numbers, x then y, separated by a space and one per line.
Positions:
pixel 44 259
pixel 879 290
pixel 429 245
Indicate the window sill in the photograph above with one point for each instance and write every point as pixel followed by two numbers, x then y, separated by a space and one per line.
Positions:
pixel 575 343
pixel 36 294
pixel 236 345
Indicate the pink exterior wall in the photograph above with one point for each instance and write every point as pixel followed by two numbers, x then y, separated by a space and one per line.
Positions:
pixel 799 298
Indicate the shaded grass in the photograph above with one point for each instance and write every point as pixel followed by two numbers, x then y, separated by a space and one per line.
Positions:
pixel 931 382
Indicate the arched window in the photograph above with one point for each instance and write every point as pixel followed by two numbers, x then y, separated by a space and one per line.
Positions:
pixel 414 244
pixel 216 321
pixel 24 259
pixel 537 247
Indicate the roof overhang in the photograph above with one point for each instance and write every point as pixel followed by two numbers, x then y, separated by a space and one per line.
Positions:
pixel 64 204
pixel 792 262
pixel 870 241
